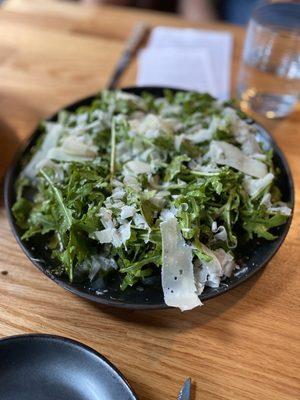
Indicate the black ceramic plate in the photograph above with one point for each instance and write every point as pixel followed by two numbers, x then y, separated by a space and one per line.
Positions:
pixel 45 367
pixel 149 295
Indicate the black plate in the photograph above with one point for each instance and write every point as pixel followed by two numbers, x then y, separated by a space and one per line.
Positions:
pixel 150 296
pixel 45 367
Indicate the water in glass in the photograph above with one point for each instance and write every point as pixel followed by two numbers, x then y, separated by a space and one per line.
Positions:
pixel 269 76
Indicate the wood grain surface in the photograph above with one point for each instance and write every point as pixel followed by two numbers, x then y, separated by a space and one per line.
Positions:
pixel 242 345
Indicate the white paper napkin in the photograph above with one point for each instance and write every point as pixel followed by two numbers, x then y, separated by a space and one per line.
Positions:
pixel 173 69
pixel 189 59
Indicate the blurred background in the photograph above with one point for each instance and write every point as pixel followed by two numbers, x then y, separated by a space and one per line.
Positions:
pixel 234 11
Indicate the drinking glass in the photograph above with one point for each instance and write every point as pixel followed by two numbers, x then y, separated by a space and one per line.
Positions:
pixel 269 75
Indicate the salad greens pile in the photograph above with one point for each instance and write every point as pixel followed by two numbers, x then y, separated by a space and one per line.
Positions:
pixel 143 184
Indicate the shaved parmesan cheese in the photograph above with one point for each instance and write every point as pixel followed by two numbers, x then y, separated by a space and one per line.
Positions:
pixel 50 141
pixel 81 119
pixel 127 212
pixel 136 167
pixel 115 236
pixel 75 145
pixel 210 168
pixel 167 213
pixel 226 154
pixel 118 193
pixel 200 277
pixel 259 156
pixel 250 146
pixel 210 273
pixel 100 263
pixel 45 163
pixel 211 270
pixel 195 164
pixel 105 236
pixel 220 232
pixel 266 200
pixel 170 110
pixel 140 221
pixel 227 262
pixel 77 130
pixel 106 218
pixel 198 136
pixel 116 183
pixel 152 134
pixel 122 234
pixel 214 227
pixel 278 208
pixel 137 100
pixel 58 154
pixel 243 132
pixel 255 186
pixel 177 268
pixel 145 155
pixel 202 135
pixel 155 123
pixel 283 210
pixel 159 199
pixel 132 182
pixel 178 139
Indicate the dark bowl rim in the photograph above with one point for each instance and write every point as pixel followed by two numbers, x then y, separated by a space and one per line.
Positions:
pixel 8 184
pixel 71 343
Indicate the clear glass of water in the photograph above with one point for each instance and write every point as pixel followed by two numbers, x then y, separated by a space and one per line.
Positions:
pixel 269 75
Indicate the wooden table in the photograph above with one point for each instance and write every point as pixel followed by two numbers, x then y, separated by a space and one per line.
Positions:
pixel 243 345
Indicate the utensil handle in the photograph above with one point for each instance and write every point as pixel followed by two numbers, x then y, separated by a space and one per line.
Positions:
pixel 131 46
pixel 185 392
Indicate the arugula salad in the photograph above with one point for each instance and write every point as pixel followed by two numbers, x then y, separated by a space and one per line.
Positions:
pixel 146 186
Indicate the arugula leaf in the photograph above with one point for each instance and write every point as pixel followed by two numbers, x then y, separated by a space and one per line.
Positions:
pixel 65 213
pixel 175 167
pixel 21 210
pixel 200 252
pixel 76 251
pixel 259 222
pixel 135 272
pixel 148 209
